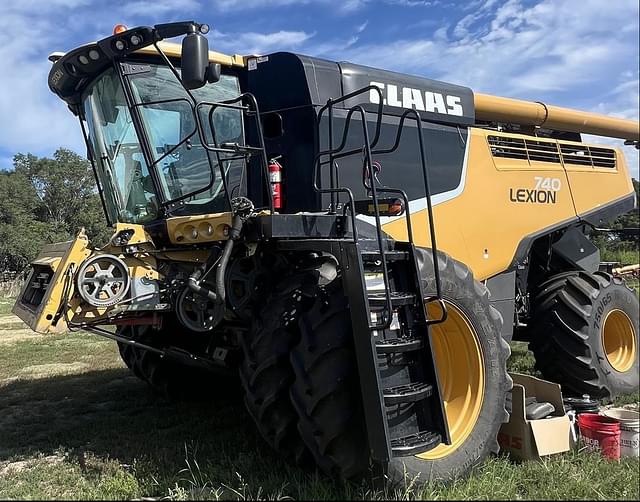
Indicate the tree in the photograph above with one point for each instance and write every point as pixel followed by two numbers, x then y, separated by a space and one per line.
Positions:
pixel 21 233
pixel 47 200
pixel 632 218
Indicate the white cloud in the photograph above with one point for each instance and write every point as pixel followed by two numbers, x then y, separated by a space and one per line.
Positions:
pixel 32 119
pixel 257 43
pixel 362 27
pixel 571 53
pixel 158 7
pixel 552 46
pixel 622 101
pixel 243 5
pixel 49 5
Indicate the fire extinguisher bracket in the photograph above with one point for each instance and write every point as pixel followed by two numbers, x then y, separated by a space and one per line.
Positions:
pixel 275 178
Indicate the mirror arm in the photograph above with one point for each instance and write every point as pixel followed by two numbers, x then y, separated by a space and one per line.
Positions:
pixel 171 30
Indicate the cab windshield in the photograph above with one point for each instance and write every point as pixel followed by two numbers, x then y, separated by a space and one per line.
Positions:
pixel 185 171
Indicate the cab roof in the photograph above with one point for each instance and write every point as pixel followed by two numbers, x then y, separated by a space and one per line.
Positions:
pixel 73 71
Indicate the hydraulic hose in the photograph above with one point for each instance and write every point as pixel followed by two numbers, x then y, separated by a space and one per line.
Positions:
pixel 194 284
pixel 219 295
pixel 236 228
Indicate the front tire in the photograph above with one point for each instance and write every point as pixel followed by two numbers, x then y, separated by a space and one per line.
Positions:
pixel 326 392
pixel 584 334
pixel 265 372
pixel 166 376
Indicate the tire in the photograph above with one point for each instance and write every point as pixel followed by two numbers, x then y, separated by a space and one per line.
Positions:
pixel 167 377
pixel 326 392
pixel 265 371
pixel 568 337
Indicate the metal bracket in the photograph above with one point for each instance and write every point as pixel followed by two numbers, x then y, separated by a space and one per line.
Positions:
pixel 135 69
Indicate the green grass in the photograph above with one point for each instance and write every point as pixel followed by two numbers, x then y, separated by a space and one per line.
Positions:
pixel 624 256
pixel 6 304
pixel 77 425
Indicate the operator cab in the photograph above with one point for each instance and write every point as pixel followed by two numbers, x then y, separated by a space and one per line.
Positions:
pixel 151 157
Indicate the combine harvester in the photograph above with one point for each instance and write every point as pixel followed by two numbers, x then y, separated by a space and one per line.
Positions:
pixel 275 218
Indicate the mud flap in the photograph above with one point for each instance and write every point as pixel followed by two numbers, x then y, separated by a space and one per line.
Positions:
pixel 39 302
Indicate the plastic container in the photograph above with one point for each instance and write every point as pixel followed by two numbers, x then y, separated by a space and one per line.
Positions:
pixel 629 430
pixel 582 404
pixel 600 433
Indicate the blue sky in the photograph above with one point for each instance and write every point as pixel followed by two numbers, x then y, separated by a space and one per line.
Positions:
pixel 576 53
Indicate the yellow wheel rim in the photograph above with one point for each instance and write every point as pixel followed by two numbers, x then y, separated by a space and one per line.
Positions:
pixel 461 372
pixel 619 340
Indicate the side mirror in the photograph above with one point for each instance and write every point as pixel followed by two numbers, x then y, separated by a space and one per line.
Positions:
pixel 213 73
pixel 195 60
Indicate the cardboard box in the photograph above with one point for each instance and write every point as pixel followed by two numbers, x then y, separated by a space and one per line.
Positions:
pixel 531 439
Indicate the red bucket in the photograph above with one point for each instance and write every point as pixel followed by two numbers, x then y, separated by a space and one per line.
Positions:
pixel 600 434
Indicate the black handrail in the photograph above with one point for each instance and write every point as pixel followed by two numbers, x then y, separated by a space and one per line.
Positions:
pixel 427 188
pixel 387 316
pixel 251 109
pixel 368 150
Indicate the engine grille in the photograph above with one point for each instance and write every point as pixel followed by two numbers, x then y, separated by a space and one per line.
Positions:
pixel 534 150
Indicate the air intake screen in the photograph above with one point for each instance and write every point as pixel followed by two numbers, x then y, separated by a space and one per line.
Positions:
pixel 588 156
pixel 533 150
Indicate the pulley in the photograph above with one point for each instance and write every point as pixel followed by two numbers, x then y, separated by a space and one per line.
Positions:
pixel 196 312
pixel 103 280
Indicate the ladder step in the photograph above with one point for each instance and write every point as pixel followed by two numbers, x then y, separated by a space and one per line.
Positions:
pixel 406 393
pixel 393 345
pixel 378 299
pixel 415 443
pixel 373 256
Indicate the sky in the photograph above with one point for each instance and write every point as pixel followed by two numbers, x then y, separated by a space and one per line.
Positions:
pixel 581 54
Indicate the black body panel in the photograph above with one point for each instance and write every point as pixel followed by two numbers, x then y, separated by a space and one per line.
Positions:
pixel 296 87
pixel 436 101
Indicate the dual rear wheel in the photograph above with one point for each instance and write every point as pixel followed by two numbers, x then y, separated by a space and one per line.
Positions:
pixel 305 395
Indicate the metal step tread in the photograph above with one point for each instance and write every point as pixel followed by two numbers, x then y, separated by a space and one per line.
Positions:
pixel 407 393
pixel 398 298
pixel 394 345
pixel 415 443
pixel 393 255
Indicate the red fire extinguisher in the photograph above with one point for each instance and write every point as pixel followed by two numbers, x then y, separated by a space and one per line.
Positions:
pixel 275 177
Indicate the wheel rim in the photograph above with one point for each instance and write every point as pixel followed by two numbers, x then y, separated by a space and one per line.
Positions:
pixel 461 371
pixel 619 340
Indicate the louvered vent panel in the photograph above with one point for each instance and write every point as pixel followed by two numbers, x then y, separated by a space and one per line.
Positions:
pixel 545 151
pixel 542 151
pixel 576 154
pixel 512 148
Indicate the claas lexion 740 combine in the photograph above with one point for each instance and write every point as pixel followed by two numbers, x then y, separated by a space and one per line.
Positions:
pixel 358 245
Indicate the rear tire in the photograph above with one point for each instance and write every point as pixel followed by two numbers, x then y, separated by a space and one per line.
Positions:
pixel 326 392
pixel 584 334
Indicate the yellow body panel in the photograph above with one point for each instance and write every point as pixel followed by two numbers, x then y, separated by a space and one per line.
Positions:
pixel 483 225
pixel 140 236
pixel 197 229
pixel 65 258
pixel 592 187
pixel 60 257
